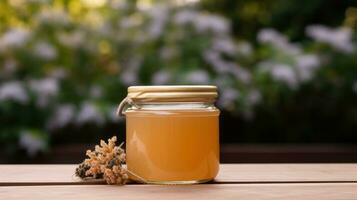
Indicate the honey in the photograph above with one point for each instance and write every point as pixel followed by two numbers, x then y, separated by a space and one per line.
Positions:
pixel 172 142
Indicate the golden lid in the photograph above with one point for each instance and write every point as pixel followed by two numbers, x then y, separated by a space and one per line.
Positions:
pixel 173 93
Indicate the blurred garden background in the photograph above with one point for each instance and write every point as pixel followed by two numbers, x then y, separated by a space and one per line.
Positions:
pixel 286 71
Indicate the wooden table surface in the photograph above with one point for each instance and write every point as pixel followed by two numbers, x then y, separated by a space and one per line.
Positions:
pixel 235 181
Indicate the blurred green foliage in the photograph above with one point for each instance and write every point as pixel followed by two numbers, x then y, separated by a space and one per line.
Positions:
pixel 289 17
pixel 286 70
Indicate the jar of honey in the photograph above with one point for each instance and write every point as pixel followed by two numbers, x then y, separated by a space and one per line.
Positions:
pixel 172 133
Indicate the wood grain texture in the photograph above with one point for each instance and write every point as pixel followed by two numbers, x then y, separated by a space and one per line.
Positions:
pixel 229 173
pixel 288 173
pixel 39 175
pixel 309 191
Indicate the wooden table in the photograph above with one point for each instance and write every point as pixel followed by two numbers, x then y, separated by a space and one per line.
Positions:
pixel 235 181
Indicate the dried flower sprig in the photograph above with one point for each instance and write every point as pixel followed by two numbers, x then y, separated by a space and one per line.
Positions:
pixel 106 161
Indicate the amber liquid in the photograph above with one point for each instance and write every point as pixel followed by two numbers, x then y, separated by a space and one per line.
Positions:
pixel 164 146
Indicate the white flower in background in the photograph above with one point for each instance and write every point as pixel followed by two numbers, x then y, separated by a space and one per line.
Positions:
pixel 227 97
pixel 223 67
pixel 131 21
pixel 9 67
pixel 219 65
pixel 62 116
pixel 306 65
pixel 281 73
pixel 89 113
pixel 161 77
pixel 32 143
pixel 38 1
pixel 14 91
pixel 214 58
pixel 222 81
pixel 58 73
pixel 46 86
pixel 186 2
pixel 302 70
pixel 184 17
pixel 93 3
pixel 273 37
pixel 354 87
pixel 244 48
pixel 240 73
pixel 254 97
pixel 340 38
pixel 143 5
pixel 45 89
pixel 285 73
pixel 167 53
pixel 270 36
pixel 53 16
pixel 224 45
pixel 73 39
pixel 105 29
pixel 92 19
pixel 118 4
pixel 19 3
pixel 203 23
pixel 14 38
pixel 130 75
pixel 159 16
pixel 96 91
pixel 45 51
pixel 198 77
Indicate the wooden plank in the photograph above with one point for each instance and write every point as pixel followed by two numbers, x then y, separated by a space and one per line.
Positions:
pixel 311 191
pixel 39 175
pixel 229 173
pixel 288 173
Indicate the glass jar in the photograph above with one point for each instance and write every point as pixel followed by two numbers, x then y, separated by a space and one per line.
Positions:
pixel 172 133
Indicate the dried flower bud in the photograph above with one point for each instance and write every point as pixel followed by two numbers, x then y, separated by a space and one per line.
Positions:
pixel 106 161
pixel 81 170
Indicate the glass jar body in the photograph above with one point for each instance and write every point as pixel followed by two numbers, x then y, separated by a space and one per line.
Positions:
pixel 173 143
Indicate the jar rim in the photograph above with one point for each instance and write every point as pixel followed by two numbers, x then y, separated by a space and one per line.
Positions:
pixel 173 93
pixel 172 88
